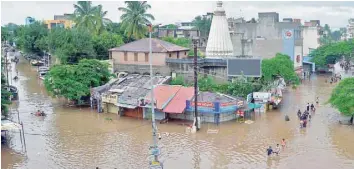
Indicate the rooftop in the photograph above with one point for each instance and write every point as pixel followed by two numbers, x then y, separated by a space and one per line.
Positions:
pixel 131 88
pixel 178 103
pixel 143 45
pixel 215 97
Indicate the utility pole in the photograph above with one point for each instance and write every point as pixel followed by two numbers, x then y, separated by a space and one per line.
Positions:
pixel 155 150
pixel 195 42
pixel 6 67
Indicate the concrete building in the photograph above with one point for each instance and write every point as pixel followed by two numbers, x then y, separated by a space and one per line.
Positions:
pixel 219 42
pixel 350 30
pixel 212 107
pixel 62 21
pixel 264 38
pixel 311 38
pixel 134 57
pixel 29 20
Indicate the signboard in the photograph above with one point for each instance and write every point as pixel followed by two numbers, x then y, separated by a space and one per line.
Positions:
pixel 249 67
pixel 203 104
pixel 239 103
pixel 289 43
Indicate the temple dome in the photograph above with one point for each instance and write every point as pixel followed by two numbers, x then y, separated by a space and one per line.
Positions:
pixel 219 42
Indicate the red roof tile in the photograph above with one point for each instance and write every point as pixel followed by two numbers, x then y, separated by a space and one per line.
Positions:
pixel 163 94
pixel 178 103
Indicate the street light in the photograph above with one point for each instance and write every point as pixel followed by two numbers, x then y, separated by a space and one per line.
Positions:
pixel 155 150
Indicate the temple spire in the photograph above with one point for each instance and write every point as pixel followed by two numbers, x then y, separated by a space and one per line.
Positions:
pixel 219 41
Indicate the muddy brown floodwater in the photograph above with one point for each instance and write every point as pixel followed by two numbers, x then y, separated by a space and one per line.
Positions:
pixel 81 138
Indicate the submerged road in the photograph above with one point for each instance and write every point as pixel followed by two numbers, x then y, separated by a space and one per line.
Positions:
pixel 81 138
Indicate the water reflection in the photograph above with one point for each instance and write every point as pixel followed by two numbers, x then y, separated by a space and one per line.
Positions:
pixel 81 138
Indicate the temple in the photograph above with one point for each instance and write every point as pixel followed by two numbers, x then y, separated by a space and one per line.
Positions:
pixel 219 43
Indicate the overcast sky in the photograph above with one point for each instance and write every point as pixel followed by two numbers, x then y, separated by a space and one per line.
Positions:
pixel 336 14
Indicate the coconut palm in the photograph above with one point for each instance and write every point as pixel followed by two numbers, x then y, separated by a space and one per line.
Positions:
pixel 84 15
pixel 90 17
pixel 135 18
pixel 99 20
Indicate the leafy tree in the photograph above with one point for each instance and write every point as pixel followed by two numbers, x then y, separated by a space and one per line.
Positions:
pixel 342 97
pixel 115 28
pixel 336 35
pixel 28 37
pixel 279 65
pixel 179 80
pixel 100 21
pixel 84 15
pixel 134 18
pixel 5 97
pixel 78 45
pixel 5 34
pixel 329 53
pixel 104 42
pixel 203 24
pixel 184 42
pixel 74 81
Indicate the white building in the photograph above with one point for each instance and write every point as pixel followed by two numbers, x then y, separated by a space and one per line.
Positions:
pixel 311 38
pixel 219 43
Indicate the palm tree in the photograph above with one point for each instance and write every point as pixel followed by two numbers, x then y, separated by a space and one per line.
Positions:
pixel 90 17
pixel 99 20
pixel 84 15
pixel 135 18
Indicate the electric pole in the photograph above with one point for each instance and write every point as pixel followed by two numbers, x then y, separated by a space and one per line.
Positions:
pixel 195 42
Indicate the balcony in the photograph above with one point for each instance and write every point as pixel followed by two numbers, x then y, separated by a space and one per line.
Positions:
pixel 202 62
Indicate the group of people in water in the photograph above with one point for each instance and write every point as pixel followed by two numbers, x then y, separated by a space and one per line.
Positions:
pixel 277 148
pixel 335 78
pixel 306 115
pixel 40 113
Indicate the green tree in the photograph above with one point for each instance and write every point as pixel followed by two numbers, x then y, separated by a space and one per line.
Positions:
pixel 184 42
pixel 99 20
pixel 342 97
pixel 280 65
pixel 134 18
pixel 115 28
pixel 5 34
pixel 336 35
pixel 203 24
pixel 179 80
pixel 104 42
pixel 28 37
pixel 74 81
pixel 78 44
pixel 329 53
pixel 5 97
pixel 84 15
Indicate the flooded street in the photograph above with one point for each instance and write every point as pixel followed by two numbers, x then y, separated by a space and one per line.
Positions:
pixel 81 138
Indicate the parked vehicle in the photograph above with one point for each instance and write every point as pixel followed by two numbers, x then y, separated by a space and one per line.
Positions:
pixel 37 63
pixel 42 68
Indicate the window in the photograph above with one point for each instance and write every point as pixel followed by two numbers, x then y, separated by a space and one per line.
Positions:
pixel 170 55
pixel 185 53
pixel 177 55
pixel 125 56
pixel 135 57
pixel 146 57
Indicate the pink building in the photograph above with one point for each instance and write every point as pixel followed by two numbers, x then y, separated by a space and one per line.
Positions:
pixel 134 57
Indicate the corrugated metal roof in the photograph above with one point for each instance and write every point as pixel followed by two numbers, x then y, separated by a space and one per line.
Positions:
pixel 178 103
pixel 142 45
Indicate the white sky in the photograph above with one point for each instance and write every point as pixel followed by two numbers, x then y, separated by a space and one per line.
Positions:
pixel 336 14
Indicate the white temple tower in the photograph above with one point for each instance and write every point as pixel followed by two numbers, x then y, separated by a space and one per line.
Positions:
pixel 219 42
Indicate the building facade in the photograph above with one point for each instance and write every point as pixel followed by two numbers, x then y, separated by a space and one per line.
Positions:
pixel 265 37
pixel 134 57
pixel 311 36
pixel 50 24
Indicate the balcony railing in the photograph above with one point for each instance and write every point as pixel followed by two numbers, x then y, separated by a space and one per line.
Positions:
pixel 199 61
